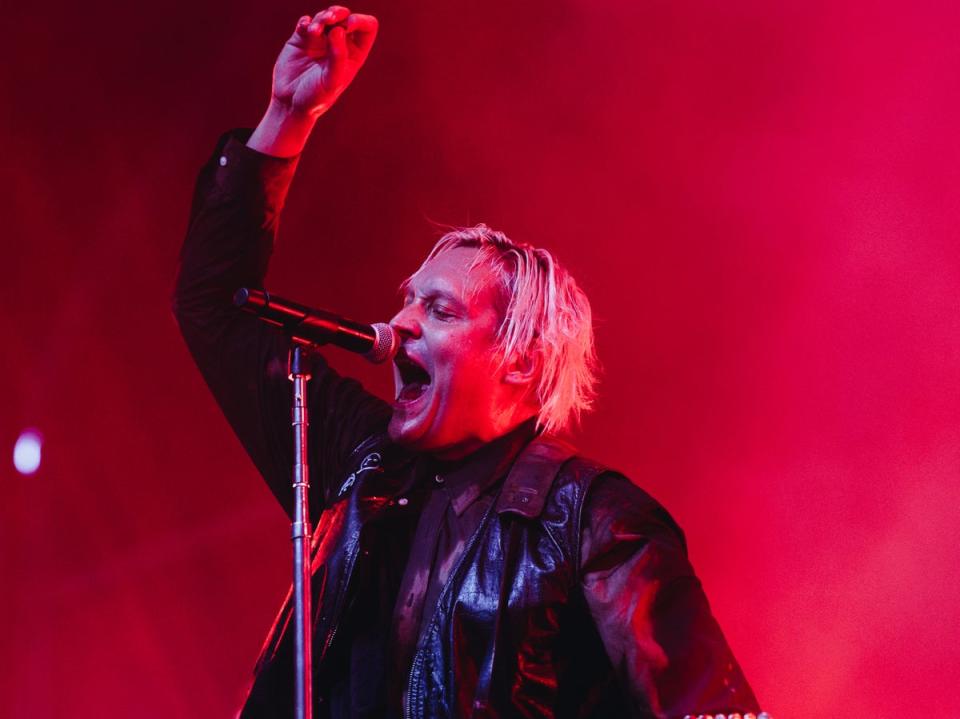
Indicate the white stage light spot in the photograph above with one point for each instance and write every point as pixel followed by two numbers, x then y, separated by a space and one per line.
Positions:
pixel 26 452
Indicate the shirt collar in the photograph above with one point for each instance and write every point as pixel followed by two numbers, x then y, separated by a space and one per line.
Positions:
pixel 466 479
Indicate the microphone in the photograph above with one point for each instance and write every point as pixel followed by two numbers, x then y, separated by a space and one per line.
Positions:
pixel 307 326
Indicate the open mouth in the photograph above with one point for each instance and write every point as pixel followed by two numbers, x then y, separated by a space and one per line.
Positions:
pixel 414 379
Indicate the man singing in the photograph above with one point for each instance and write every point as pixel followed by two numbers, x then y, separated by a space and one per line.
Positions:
pixel 466 563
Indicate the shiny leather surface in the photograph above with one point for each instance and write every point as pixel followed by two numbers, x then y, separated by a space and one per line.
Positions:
pixel 520 630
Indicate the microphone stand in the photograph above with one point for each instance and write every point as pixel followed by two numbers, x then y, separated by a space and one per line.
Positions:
pixel 308 328
pixel 301 535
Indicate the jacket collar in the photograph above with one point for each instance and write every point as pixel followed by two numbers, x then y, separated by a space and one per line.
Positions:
pixel 531 477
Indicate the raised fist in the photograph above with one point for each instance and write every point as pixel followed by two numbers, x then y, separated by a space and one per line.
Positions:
pixel 321 58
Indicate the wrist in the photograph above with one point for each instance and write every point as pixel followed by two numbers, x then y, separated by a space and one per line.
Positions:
pixel 283 130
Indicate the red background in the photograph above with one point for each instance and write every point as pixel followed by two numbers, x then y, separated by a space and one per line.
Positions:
pixel 760 199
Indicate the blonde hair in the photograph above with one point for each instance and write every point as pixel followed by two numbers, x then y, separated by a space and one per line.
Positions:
pixel 547 316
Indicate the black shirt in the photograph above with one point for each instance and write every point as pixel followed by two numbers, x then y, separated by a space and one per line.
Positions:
pixel 457 496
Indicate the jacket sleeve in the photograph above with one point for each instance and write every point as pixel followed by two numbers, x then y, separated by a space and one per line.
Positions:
pixel 233 223
pixel 650 610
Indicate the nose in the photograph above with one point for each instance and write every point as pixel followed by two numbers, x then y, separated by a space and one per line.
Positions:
pixel 407 322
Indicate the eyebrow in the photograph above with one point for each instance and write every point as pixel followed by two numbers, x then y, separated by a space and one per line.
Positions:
pixel 431 293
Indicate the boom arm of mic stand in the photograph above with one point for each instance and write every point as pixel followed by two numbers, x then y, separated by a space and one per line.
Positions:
pixel 305 325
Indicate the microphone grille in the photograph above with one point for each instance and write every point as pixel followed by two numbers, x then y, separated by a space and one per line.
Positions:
pixel 385 343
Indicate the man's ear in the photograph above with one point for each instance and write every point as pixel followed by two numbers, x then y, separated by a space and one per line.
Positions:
pixel 522 369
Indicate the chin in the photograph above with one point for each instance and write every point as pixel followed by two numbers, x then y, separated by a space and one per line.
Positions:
pixel 404 435
pixel 395 433
pixel 417 439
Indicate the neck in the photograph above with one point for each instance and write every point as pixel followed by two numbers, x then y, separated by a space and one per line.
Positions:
pixel 472 444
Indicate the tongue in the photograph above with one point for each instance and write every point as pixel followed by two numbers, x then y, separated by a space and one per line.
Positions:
pixel 411 391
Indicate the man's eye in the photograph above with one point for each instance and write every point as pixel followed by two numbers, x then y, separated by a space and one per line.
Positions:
pixel 441 312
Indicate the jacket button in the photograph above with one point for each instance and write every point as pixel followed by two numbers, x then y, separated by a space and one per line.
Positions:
pixel 403 501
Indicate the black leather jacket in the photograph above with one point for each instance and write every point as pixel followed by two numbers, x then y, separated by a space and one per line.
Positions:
pixel 573 598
